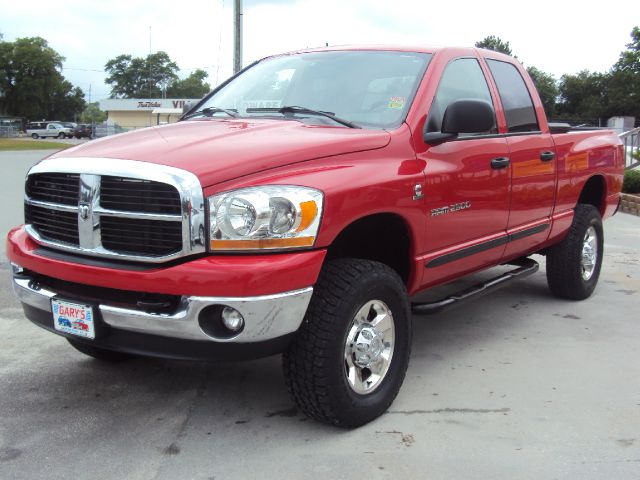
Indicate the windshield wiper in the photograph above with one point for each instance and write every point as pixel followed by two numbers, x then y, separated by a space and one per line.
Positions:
pixel 296 109
pixel 208 111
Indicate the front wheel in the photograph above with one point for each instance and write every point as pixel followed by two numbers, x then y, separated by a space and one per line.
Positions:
pixel 348 360
pixel 573 265
pixel 61 135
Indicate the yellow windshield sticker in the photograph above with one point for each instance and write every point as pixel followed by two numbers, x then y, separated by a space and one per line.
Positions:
pixel 396 102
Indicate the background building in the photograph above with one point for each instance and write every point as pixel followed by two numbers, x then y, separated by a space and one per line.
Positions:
pixel 131 113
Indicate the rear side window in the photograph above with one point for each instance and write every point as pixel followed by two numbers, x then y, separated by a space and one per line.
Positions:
pixel 462 80
pixel 514 95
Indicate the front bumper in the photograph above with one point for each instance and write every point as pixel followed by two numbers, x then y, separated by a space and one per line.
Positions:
pixel 215 275
pixel 265 318
pixel 270 317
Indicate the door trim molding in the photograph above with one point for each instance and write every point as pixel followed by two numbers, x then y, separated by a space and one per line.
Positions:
pixel 487 245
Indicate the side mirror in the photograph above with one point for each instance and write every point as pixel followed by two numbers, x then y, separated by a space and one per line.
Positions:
pixel 463 116
pixel 188 105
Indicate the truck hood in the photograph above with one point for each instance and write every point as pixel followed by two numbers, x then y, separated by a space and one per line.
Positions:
pixel 218 150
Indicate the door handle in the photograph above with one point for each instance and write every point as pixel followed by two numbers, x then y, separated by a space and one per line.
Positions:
pixel 547 156
pixel 500 162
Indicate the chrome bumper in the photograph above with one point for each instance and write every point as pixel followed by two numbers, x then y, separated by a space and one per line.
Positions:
pixel 266 317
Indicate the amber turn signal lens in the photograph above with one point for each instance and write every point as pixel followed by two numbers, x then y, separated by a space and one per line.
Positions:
pixel 257 244
pixel 308 212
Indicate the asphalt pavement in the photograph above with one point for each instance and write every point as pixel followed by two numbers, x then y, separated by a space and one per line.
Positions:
pixel 517 385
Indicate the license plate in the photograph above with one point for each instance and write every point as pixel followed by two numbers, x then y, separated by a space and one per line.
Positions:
pixel 73 318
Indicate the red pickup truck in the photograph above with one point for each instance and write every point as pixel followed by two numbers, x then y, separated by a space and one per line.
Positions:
pixel 298 208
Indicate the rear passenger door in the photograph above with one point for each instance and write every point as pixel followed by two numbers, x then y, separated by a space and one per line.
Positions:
pixel 533 165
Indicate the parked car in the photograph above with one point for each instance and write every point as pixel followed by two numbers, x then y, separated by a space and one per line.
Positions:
pixel 53 129
pixel 336 184
pixel 83 130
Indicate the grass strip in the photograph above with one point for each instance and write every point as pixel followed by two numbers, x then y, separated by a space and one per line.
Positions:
pixel 9 144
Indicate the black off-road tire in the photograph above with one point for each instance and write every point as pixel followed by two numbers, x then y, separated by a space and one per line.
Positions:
pixel 314 364
pixel 100 353
pixel 564 267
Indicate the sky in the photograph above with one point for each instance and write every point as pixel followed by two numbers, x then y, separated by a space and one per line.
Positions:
pixel 558 37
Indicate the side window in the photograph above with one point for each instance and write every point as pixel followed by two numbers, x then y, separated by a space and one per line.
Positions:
pixel 462 79
pixel 515 97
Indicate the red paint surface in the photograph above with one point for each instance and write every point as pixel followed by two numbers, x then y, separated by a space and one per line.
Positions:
pixel 215 276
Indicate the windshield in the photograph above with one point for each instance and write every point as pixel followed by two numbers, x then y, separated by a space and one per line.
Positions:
pixel 372 89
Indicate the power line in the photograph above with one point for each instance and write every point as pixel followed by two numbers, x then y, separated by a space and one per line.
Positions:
pixel 83 69
pixel 219 43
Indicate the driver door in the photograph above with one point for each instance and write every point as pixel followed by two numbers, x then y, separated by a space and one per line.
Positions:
pixel 466 194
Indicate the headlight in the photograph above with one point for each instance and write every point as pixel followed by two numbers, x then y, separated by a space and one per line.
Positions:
pixel 267 217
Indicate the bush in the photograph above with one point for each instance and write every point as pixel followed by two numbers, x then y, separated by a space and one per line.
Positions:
pixel 631 181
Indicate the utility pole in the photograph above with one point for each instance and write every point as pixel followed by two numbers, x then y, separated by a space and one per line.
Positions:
pixel 237 36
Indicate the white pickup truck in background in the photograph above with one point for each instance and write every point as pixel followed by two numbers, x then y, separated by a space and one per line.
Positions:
pixel 51 130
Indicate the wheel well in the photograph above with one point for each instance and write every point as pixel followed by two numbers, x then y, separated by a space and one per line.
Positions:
pixel 593 192
pixel 382 237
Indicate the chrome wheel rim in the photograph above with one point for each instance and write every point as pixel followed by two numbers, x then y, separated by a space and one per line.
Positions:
pixel 589 253
pixel 369 346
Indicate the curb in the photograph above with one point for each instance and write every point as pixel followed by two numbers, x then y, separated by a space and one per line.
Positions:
pixel 630 204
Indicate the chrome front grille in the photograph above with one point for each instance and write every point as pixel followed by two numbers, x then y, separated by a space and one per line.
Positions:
pixel 115 208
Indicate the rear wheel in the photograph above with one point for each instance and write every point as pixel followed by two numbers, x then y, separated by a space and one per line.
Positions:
pixel 34 136
pixel 573 265
pixel 100 353
pixel 349 357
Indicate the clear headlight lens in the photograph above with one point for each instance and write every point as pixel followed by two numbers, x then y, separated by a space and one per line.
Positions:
pixel 266 217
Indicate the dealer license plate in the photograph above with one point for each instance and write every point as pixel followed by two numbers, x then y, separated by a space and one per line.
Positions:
pixel 73 318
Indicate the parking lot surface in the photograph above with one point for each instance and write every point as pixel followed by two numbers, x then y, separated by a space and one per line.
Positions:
pixel 516 385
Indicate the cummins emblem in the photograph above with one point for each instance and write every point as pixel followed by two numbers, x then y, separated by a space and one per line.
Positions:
pixel 84 212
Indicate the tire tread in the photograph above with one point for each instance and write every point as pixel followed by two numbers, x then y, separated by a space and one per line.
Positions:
pixel 307 361
pixel 563 275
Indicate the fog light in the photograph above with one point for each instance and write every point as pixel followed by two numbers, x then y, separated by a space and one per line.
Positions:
pixel 232 319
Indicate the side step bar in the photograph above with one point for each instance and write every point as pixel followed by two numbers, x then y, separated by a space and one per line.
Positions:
pixel 526 267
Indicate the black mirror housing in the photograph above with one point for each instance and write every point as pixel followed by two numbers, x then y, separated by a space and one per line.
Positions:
pixel 468 116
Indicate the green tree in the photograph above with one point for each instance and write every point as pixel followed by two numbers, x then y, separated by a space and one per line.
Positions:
pixel 623 90
pixel 547 88
pixel 630 59
pixel 194 86
pixel 93 114
pixel 583 97
pixel 31 84
pixel 494 43
pixel 136 77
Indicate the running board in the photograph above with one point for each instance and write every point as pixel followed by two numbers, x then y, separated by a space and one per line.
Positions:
pixel 526 267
